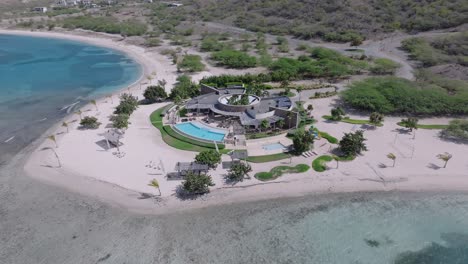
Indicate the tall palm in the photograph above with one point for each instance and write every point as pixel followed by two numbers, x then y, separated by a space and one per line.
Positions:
pixel 80 114
pixel 299 89
pixel 93 102
pixel 53 139
pixel 65 124
pixel 57 157
pixel 154 183
pixel 392 157
pixel 445 157
pixel 337 159
pixel 150 78
pixel 376 118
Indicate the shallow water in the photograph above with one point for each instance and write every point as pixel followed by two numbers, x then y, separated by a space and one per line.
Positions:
pixel 40 77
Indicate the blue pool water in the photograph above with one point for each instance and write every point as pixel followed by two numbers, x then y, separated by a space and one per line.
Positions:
pixel 200 131
pixel 40 76
pixel 273 146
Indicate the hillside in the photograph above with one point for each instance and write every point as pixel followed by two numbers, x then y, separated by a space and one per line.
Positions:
pixel 335 20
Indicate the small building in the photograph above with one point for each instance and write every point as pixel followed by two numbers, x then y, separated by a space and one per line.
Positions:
pixel 42 9
pixel 184 168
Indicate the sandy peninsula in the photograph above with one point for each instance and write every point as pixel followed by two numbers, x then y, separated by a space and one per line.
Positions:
pixel 90 169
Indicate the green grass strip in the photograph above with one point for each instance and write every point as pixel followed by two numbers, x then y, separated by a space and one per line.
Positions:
pixel 351 121
pixel 276 172
pixel 328 137
pixel 426 126
pixel 319 164
pixel 178 141
pixel 268 158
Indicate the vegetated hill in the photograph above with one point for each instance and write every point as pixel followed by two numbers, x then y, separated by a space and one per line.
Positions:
pixel 334 20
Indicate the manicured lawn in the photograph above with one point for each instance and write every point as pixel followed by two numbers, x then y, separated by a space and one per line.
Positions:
pixel 263 134
pixel 328 137
pixel 319 164
pixel 351 121
pixel 268 158
pixel 280 170
pixel 179 141
pixel 427 126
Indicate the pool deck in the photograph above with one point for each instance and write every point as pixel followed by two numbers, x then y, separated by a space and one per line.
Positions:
pixel 255 146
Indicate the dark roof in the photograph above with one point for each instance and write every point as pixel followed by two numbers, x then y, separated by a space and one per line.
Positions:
pixel 191 166
pixel 239 154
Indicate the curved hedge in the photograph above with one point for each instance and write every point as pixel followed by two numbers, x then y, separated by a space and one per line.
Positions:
pixel 276 172
pixel 319 164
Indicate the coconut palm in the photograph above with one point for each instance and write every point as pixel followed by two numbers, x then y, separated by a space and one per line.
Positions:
pixel 376 118
pixel 53 139
pixel 79 113
pixel 337 159
pixel 93 102
pixel 154 183
pixel 392 157
pixel 57 157
pixel 445 157
pixel 65 124
pixel 150 78
pixel 162 83
pixel 299 89
pixel 411 123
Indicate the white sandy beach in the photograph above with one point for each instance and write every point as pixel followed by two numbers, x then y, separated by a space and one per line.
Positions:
pixel 88 168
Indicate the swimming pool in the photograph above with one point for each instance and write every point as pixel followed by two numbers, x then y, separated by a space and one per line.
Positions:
pixel 198 130
pixel 273 146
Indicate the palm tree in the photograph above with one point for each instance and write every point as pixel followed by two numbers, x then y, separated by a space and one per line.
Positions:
pixel 337 159
pixel 264 124
pixel 57 157
pixel 376 118
pixel 93 102
pixel 392 157
pixel 411 123
pixel 445 157
pixel 154 183
pixel 162 83
pixel 299 89
pixel 52 138
pixel 79 113
pixel 150 78
pixel 65 124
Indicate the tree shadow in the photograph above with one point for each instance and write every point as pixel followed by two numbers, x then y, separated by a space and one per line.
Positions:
pixel 183 195
pixel 403 131
pixel 434 166
pixel 382 166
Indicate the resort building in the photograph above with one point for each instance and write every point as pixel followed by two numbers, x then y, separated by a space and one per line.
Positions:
pixel 226 115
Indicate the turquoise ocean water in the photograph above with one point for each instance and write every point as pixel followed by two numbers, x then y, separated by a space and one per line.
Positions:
pixel 40 77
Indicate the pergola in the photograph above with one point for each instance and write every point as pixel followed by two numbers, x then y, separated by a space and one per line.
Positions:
pixel 183 168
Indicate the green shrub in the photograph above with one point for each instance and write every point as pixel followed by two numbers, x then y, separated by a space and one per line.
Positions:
pixel 457 129
pixel 395 95
pixel 89 122
pixel 278 171
pixel 106 24
pixel 384 66
pixel 120 121
pixel 192 63
pixel 234 59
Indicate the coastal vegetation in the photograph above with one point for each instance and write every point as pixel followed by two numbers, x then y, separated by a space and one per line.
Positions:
pixel 234 59
pixel 457 129
pixel 120 121
pixel 191 63
pixel 155 93
pixel 89 122
pixel 183 89
pixel 106 24
pixel 197 184
pixel 238 171
pixel 128 104
pixel 352 144
pixel 391 95
pixel 302 141
pixel 208 157
pixel 278 171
